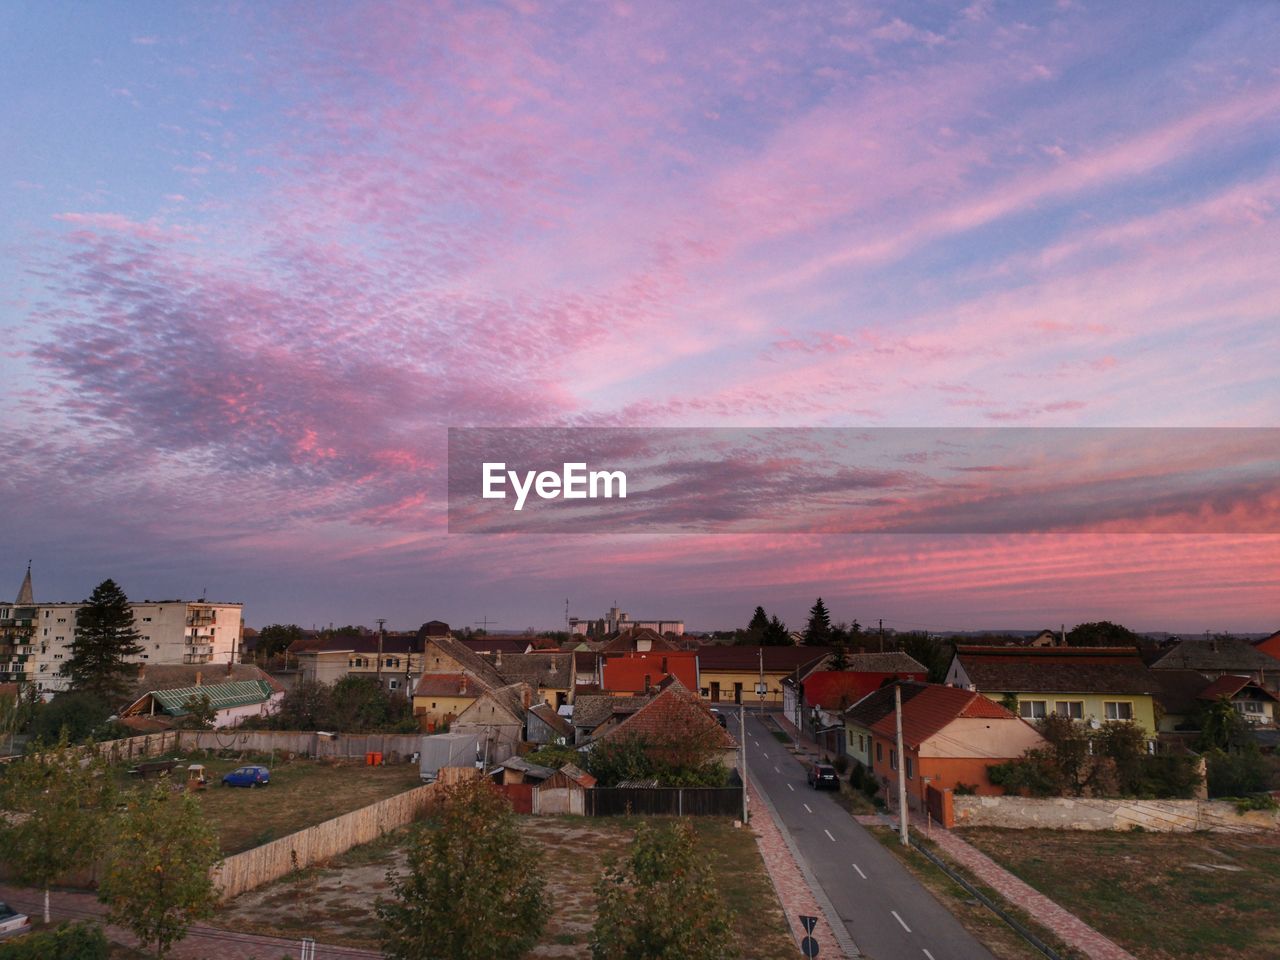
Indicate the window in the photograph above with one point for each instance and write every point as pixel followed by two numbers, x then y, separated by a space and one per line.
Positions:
pixel 1032 709
pixel 1118 709
pixel 893 759
pixel 1249 706
pixel 146 619
pixel 861 746
pixel 879 751
pixel 394 684
pixel 910 771
pixel 1073 709
pixel 433 704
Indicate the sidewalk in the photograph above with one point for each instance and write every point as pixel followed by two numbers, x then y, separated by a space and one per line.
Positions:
pixel 1069 928
pixel 795 891
pixel 1065 925
pixel 201 943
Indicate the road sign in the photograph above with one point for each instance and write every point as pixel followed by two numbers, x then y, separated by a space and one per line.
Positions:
pixel 809 947
pixel 808 923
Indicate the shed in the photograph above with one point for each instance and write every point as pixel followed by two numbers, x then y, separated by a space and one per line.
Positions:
pixel 563 792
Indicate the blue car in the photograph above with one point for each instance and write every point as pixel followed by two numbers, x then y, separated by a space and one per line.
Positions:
pixel 250 776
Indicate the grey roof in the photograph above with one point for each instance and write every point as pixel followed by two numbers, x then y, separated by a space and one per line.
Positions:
pixel 893 662
pixel 552 670
pixel 1056 670
pixel 592 709
pixel 173 676
pixel 548 715
pixel 1176 690
pixel 1228 654
pixel 527 768
pixel 476 665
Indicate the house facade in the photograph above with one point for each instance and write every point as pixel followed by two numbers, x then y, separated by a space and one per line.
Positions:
pixel 731 673
pixel 951 738
pixel 1094 685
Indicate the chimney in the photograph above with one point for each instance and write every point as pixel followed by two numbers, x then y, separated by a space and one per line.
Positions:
pixel 199 677
pixel 462 686
pixel 497 659
pixel 526 697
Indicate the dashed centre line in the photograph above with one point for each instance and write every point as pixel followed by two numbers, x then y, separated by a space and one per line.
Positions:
pixel 860 873
pixel 806 806
pixel 791 788
pixel 929 955
pixel 900 920
pixel 828 833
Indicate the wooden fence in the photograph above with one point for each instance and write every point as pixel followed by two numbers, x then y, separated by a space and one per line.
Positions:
pixel 252 868
pixel 664 801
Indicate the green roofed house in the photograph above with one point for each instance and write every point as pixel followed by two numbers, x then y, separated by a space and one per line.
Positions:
pixel 232 701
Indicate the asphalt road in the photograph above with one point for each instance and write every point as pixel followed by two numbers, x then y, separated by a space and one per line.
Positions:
pixel 889 915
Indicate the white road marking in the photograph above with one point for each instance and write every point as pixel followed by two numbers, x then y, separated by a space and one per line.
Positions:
pixel 806 806
pixel 928 954
pixel 829 836
pixel 900 920
pixel 791 788
pixel 766 756
pixel 860 873
pixel 775 769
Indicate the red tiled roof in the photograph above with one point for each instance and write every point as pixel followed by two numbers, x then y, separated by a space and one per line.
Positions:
pixel 1229 685
pixel 673 710
pixel 933 708
pixel 447 685
pixel 835 690
pixel 627 673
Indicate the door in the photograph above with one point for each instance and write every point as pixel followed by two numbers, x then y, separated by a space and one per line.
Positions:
pixel 715 691
pixel 737 693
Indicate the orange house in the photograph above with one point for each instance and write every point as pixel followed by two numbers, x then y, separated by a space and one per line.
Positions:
pixel 950 737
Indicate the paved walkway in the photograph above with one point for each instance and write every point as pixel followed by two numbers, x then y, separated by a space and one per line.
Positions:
pixel 202 942
pixel 794 892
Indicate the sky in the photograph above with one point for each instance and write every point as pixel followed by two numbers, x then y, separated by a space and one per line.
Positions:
pixel 259 258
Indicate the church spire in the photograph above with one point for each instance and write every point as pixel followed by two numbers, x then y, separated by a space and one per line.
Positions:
pixel 26 597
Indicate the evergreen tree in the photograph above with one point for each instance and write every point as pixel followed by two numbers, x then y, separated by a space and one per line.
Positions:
pixel 105 637
pixel 839 659
pixel 776 635
pixel 759 621
pixel 818 632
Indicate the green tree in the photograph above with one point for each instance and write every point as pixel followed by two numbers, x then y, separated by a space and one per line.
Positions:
pixel 840 658
pixel 156 880
pixel 933 653
pixel 77 716
pixel 105 637
pixel 759 621
pixel 472 890
pixel 1221 726
pixel 275 638
pixel 58 800
pixel 818 630
pixel 200 713
pixel 1102 633
pixel 776 635
pixel 661 902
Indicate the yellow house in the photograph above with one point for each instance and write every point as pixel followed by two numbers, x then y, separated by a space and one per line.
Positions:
pixel 1094 685
pixel 453 677
pixel 730 673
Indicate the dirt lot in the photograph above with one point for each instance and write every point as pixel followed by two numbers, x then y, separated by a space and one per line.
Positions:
pixel 302 793
pixel 1161 896
pixel 335 904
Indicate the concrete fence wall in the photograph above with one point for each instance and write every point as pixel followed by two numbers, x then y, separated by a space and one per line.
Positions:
pixel 1064 813
pixel 341 746
pixel 252 868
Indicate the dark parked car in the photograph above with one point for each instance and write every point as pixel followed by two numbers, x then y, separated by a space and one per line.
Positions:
pixel 250 776
pixel 823 776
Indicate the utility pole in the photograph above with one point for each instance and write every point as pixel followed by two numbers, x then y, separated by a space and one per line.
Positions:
pixel 381 633
pixel 742 745
pixel 882 635
pixel 902 767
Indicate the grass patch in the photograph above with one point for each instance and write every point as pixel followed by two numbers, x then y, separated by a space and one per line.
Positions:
pixel 998 937
pixel 780 736
pixel 1160 896
pixel 302 793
